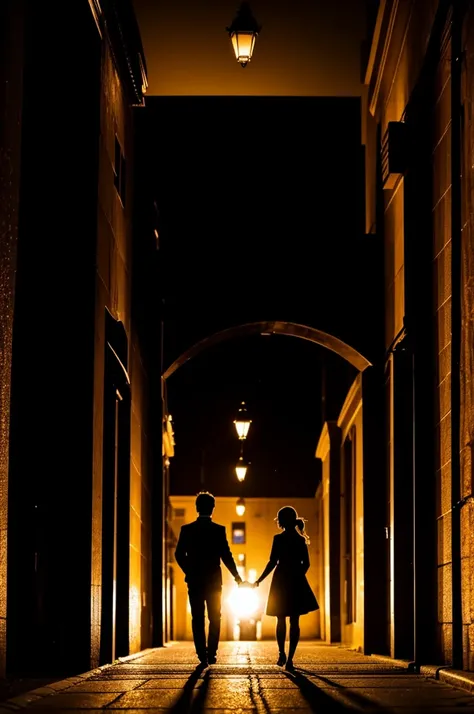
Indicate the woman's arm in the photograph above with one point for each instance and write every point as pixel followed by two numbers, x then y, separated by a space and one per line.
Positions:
pixel 271 563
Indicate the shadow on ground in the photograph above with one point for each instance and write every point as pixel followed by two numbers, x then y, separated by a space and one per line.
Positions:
pixel 319 701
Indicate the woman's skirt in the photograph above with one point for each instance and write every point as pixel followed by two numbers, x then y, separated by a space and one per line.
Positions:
pixel 290 594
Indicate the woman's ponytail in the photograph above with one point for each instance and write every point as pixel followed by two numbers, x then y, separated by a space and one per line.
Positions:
pixel 300 526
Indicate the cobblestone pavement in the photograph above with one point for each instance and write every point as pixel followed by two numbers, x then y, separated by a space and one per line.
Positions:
pixel 327 680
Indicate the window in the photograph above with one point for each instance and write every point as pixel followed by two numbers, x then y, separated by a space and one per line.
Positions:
pixel 238 533
pixel 120 175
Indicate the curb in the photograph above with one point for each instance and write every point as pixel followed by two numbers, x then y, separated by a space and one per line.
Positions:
pixel 432 670
pixel 457 678
pixel 24 700
pixel 402 663
pixel 454 677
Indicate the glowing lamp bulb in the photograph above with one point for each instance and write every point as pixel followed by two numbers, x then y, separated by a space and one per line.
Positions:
pixel 240 507
pixel 244 602
pixel 243 32
pixel 242 422
pixel 241 469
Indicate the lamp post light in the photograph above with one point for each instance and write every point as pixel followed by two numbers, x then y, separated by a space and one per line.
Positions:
pixel 243 32
pixel 242 422
pixel 240 507
pixel 241 469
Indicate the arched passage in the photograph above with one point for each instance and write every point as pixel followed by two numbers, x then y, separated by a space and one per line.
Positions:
pixel 318 337
pixel 291 329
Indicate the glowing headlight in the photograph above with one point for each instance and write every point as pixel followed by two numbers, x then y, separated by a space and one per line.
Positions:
pixel 244 602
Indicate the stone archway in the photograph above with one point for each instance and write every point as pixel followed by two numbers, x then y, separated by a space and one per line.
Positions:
pixel 291 329
pixel 318 337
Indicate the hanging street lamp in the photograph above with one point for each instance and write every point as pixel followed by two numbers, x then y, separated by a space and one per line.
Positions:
pixel 240 507
pixel 243 32
pixel 241 469
pixel 242 422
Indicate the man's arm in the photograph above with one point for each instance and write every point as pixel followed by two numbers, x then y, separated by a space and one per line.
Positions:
pixel 180 553
pixel 227 557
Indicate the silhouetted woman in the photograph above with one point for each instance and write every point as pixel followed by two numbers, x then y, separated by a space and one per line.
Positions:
pixel 290 593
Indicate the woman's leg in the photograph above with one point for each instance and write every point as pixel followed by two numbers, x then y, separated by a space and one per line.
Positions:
pixel 281 635
pixel 294 635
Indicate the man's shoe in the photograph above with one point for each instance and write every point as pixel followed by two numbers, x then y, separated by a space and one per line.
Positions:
pixel 211 659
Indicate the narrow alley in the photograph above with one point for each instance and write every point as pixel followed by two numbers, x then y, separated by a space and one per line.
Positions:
pixel 327 679
pixel 237 340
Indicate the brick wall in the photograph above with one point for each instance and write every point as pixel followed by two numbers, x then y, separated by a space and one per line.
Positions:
pixel 467 352
pixel 113 291
pixel 442 316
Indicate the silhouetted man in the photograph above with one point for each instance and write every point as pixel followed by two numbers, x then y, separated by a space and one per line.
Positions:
pixel 201 547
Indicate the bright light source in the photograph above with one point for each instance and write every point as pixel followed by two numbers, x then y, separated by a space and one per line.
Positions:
pixel 241 469
pixel 242 422
pixel 241 557
pixel 243 33
pixel 240 507
pixel 244 602
pixel 252 575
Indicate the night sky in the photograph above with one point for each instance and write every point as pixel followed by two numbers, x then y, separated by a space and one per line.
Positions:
pixel 305 48
pixel 260 203
pixel 279 377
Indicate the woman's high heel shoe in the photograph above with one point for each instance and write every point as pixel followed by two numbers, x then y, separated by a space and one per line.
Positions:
pixel 290 667
pixel 281 659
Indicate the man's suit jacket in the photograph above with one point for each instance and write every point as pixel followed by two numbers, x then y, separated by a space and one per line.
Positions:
pixel 201 547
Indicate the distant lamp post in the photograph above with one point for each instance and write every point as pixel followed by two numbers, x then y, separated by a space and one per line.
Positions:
pixel 243 32
pixel 242 422
pixel 240 507
pixel 241 469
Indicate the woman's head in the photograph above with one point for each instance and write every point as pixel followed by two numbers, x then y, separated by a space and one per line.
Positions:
pixel 288 519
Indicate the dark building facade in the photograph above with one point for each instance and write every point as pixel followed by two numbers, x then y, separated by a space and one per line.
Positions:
pixel 76 413
pixel 420 95
pixel 420 83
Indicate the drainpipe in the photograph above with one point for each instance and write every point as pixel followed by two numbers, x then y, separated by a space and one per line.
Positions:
pixel 456 296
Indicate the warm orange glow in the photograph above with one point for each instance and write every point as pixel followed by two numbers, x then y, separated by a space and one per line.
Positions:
pixel 244 602
pixel 243 32
pixel 240 509
pixel 242 423
pixel 135 614
pixel 304 49
pixel 242 428
pixel 243 44
pixel 241 469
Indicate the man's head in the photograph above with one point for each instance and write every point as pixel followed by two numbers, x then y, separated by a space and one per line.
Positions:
pixel 205 503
